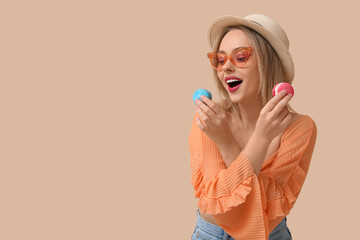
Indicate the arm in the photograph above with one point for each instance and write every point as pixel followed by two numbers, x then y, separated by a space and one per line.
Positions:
pixel 256 150
pixel 221 189
pixel 229 152
pixel 217 187
pixel 286 176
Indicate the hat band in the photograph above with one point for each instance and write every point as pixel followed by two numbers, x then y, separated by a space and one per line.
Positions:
pixel 256 22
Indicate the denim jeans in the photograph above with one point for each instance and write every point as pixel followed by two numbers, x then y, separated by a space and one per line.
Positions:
pixel 207 231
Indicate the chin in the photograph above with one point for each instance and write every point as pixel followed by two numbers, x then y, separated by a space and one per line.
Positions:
pixel 235 99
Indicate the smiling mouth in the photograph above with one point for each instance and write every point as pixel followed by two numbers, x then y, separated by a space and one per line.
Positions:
pixel 233 82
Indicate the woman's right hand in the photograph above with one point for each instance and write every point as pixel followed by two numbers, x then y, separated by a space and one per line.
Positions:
pixel 274 117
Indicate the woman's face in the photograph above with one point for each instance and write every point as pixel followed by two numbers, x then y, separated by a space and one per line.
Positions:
pixel 248 74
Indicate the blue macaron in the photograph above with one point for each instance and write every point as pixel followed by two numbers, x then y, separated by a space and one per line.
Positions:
pixel 201 92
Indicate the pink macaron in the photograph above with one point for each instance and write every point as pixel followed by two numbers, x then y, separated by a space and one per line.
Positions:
pixel 283 86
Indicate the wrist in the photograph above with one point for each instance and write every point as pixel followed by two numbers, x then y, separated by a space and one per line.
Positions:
pixel 229 145
pixel 260 137
pixel 256 150
pixel 229 152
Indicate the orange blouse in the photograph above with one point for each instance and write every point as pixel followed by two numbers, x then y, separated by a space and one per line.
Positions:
pixel 247 206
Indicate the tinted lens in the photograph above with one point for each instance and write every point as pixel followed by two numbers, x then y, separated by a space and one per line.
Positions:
pixel 215 61
pixel 239 57
pixel 218 60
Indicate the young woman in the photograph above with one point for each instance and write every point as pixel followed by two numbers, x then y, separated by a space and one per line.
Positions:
pixel 250 152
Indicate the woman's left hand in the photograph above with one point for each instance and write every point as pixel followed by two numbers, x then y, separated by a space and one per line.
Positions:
pixel 214 122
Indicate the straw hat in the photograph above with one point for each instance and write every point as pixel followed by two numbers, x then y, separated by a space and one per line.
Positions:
pixel 266 27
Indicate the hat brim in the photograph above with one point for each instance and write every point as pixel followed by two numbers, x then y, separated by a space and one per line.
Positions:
pixel 217 26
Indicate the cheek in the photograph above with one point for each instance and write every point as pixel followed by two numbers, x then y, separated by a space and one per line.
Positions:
pixel 255 76
pixel 254 69
pixel 220 75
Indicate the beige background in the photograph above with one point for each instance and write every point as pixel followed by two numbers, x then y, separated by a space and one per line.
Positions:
pixel 96 106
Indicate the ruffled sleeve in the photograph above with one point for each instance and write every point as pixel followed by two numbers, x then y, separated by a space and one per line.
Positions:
pixel 218 188
pixel 286 176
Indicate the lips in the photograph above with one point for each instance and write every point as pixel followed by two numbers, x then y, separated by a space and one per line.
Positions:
pixel 233 83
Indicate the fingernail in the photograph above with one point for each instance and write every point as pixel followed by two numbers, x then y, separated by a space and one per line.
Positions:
pixel 202 97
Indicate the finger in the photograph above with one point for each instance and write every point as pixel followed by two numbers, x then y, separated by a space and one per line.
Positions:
pixel 200 124
pixel 205 118
pixel 281 105
pixel 205 108
pixel 212 105
pixel 273 101
pixel 286 121
pixel 283 114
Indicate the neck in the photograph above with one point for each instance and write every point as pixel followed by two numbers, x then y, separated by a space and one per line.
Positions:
pixel 249 114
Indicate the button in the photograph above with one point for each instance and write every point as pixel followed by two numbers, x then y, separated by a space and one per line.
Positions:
pixel 197 234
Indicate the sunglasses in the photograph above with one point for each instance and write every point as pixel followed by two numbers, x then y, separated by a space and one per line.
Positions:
pixel 238 58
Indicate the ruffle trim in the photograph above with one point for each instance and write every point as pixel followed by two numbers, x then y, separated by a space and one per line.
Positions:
pixel 225 203
pixel 282 206
pixel 197 181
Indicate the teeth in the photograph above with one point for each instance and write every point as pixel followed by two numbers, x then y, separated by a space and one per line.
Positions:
pixel 232 80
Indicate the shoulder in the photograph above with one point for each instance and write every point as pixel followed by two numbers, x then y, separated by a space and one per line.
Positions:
pixel 300 124
pixel 301 119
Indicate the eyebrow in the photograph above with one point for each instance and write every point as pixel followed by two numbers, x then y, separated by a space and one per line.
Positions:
pixel 232 50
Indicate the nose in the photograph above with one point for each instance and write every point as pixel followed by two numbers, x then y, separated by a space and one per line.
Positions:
pixel 228 67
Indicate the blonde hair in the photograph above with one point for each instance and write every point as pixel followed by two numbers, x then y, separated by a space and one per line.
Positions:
pixel 269 66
